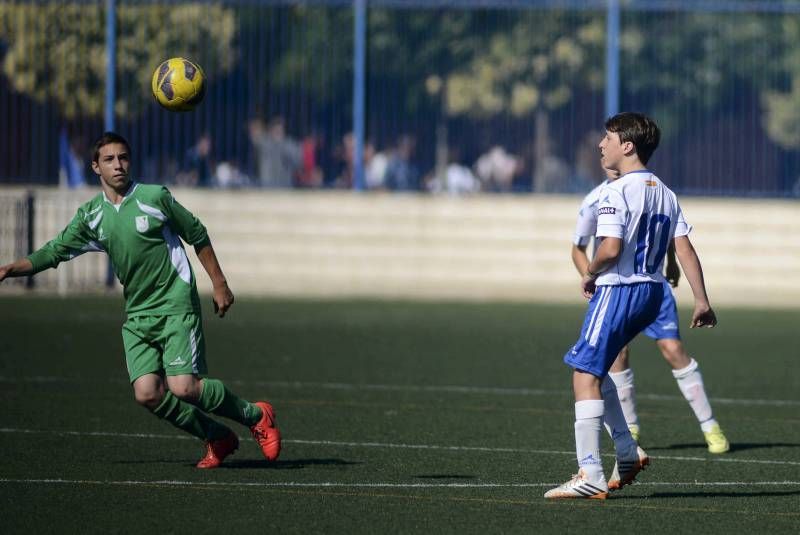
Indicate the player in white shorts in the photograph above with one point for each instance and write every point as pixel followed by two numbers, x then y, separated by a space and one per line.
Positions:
pixel 637 218
pixel 664 331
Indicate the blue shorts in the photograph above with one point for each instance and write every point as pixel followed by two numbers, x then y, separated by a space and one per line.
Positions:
pixel 666 324
pixel 615 316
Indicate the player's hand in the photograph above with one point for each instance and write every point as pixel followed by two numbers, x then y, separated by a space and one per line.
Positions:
pixel 673 274
pixel 4 271
pixel 588 286
pixel 223 299
pixel 703 316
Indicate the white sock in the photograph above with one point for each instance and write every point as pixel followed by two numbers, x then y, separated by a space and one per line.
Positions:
pixel 691 384
pixel 626 393
pixel 615 421
pixel 588 425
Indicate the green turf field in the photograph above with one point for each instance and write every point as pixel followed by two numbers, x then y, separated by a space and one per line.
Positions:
pixel 397 417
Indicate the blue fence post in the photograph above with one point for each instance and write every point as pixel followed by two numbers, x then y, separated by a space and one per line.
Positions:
pixel 111 88
pixel 359 74
pixel 612 57
pixel 111 63
pixel 30 221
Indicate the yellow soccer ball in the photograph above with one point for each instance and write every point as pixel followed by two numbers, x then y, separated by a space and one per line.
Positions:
pixel 179 84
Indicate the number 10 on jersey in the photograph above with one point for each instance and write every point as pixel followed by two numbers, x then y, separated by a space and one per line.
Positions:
pixel 651 242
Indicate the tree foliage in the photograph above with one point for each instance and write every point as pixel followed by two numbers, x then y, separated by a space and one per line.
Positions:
pixel 56 51
pixel 307 49
pixel 782 105
pixel 475 63
pixel 532 65
pixel 482 62
pixel 689 64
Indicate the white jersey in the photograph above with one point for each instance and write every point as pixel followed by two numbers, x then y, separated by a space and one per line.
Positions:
pixel 644 213
pixel 586 227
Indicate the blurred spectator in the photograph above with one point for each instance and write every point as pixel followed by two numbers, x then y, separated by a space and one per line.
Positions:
pixel 496 169
pixel 310 174
pixel 551 175
pixel 457 179
pixel 228 175
pixel 587 171
pixel 71 160
pixel 196 166
pixel 401 173
pixel 344 155
pixel 278 157
pixel 375 170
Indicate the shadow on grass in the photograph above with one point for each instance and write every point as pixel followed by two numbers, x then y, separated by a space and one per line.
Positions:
pixel 738 446
pixel 443 476
pixel 721 494
pixel 293 464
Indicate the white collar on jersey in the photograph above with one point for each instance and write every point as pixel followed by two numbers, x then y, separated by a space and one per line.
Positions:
pixel 130 191
pixel 648 171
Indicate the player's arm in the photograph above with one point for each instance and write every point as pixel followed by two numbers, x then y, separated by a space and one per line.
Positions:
pixel 580 258
pixel 612 215
pixel 19 268
pixel 585 229
pixel 606 256
pixel 703 315
pixel 74 240
pixel 223 296
pixel 192 231
pixel 673 272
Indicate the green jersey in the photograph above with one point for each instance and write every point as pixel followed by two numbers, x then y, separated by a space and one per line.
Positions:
pixel 141 235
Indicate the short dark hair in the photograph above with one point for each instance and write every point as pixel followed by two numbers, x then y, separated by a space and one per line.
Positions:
pixel 637 128
pixel 107 139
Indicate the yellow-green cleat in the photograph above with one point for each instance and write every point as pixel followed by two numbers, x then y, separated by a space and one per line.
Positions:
pixel 717 443
pixel 634 429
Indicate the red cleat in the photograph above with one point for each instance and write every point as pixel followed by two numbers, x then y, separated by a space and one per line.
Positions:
pixel 217 450
pixel 266 434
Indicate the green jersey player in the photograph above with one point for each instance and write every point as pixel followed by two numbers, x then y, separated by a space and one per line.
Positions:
pixel 140 227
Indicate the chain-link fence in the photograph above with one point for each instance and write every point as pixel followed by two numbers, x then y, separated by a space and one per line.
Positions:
pixel 457 96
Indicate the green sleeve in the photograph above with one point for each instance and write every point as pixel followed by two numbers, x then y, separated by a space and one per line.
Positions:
pixel 183 222
pixel 73 241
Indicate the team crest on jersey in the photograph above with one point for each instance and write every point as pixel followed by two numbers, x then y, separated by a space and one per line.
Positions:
pixel 142 224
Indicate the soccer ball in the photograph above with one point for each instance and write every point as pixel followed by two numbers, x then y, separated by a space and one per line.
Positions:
pixel 179 84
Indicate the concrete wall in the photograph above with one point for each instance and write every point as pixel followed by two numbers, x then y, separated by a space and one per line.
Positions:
pixel 484 247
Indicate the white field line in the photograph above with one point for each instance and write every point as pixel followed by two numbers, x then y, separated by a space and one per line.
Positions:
pixel 335 484
pixel 389 445
pixel 452 389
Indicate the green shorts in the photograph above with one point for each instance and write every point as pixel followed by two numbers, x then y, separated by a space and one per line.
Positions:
pixel 171 345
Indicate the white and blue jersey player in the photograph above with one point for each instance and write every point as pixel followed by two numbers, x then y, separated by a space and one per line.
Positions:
pixel 664 331
pixel 637 219
pixel 666 324
pixel 644 214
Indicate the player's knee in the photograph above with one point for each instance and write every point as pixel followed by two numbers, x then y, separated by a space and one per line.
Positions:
pixel 674 353
pixel 620 363
pixel 184 393
pixel 623 355
pixel 148 398
pixel 186 390
pixel 148 391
